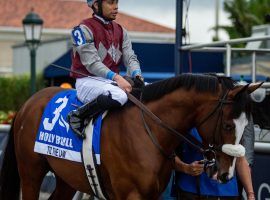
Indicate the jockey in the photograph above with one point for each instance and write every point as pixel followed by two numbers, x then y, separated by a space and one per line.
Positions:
pixel 100 45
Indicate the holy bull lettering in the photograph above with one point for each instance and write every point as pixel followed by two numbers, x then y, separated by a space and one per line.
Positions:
pixel 60 153
pixel 55 139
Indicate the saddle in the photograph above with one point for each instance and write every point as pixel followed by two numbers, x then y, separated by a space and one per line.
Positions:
pixel 78 119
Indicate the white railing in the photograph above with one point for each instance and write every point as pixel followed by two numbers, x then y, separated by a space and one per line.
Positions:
pixel 214 47
pixel 4 128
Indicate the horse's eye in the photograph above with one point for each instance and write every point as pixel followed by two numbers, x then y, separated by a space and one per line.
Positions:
pixel 228 127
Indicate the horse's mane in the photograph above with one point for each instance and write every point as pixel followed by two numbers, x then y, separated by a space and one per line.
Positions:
pixel 201 83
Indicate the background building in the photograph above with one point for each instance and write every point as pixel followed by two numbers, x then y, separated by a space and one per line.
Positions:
pixel 59 17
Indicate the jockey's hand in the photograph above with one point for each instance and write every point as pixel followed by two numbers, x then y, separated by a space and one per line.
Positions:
pixel 195 168
pixel 122 83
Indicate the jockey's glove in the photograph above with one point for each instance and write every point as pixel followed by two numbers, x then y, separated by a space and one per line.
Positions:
pixel 138 81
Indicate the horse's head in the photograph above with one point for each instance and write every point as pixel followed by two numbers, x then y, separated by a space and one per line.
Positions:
pixel 216 106
pixel 221 123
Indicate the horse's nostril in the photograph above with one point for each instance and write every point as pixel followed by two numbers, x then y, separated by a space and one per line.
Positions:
pixel 224 178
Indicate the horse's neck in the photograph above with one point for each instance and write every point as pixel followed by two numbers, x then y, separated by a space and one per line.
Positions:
pixel 124 134
pixel 175 110
pixel 126 129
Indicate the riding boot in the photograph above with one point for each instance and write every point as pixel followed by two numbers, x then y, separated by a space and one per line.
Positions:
pixel 79 118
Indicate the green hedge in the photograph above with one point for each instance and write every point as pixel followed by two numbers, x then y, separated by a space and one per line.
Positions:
pixel 14 91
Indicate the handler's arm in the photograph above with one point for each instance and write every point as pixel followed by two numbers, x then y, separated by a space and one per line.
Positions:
pixel 244 174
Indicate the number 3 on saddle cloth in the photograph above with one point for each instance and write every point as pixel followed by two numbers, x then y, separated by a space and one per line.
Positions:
pixel 55 136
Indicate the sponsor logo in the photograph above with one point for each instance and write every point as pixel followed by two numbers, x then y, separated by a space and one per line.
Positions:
pixel 264 187
pixel 53 151
pixel 55 139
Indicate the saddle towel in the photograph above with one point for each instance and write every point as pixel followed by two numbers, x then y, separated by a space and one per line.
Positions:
pixel 56 138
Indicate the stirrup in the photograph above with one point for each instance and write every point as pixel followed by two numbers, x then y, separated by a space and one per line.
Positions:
pixel 76 124
pixel 80 134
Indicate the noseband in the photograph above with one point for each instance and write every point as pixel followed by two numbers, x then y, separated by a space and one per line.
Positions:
pixel 192 141
pixel 209 158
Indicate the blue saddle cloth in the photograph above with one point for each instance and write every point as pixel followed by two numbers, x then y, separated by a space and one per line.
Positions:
pixel 55 136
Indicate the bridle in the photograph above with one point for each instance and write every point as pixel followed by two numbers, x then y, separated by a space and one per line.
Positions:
pixel 209 154
pixel 192 141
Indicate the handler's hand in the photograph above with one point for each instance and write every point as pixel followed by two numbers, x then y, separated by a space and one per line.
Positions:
pixel 195 168
pixel 122 83
pixel 250 196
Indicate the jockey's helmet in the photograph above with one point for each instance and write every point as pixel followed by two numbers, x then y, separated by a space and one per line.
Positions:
pixel 99 10
pixel 91 2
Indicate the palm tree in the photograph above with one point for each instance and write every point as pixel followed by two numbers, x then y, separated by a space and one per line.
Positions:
pixel 243 15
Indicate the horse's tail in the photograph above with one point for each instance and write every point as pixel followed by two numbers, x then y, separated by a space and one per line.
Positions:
pixel 9 177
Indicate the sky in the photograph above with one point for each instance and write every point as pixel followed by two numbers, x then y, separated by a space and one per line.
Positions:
pixel 201 15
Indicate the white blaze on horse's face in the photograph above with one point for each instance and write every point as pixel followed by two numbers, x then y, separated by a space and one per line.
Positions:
pixel 240 125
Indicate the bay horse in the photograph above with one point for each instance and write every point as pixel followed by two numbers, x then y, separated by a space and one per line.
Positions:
pixel 132 167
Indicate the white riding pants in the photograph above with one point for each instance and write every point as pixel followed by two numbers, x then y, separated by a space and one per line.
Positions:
pixel 89 89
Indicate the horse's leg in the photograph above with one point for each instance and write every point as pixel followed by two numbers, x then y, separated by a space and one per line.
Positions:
pixel 31 180
pixel 32 166
pixel 62 191
pixel 134 196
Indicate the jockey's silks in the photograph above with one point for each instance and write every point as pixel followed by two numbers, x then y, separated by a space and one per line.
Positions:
pixel 108 40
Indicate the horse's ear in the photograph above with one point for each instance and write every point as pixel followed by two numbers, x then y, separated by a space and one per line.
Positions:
pixel 254 86
pixel 237 90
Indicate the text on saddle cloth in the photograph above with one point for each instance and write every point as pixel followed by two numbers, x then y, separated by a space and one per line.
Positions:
pixel 56 138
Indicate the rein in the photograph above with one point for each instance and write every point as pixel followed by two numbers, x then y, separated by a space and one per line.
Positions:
pixel 192 141
pixel 144 109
